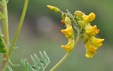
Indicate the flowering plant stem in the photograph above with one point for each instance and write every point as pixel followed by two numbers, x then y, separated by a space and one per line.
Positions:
pixel 6 36
pixel 66 55
pixel 20 25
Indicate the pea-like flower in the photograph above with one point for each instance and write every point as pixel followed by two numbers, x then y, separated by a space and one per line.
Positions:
pixel 69 47
pixel 91 30
pixel 89 18
pixel 96 41
pixel 82 28
pixel 69 33
pixel 91 42
pixel 90 49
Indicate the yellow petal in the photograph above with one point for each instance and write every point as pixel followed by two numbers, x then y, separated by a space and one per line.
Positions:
pixel 88 54
pixel 96 41
pixel 90 49
pixel 90 17
pixel 69 46
pixel 68 32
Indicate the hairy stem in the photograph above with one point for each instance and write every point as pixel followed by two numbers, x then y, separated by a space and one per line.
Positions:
pixel 19 27
pixel 6 35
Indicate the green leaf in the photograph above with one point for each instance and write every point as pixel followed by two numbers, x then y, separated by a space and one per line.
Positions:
pixel 35 63
pixel 22 62
pixel 38 64
pixel 43 59
pixel 2 44
pixel 25 61
pixel 46 56
pixel 29 68
pixel 38 61
pixel 9 68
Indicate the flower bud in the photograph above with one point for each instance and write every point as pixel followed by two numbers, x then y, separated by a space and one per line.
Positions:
pixel 67 20
pixel 82 24
pixel 63 16
pixel 55 9
pixel 78 13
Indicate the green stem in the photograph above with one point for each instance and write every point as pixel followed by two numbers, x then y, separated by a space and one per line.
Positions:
pixel 5 23
pixel 66 55
pixel 60 61
pixel 6 35
pixel 19 27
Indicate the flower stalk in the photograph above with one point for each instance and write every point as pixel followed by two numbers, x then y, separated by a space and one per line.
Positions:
pixel 66 55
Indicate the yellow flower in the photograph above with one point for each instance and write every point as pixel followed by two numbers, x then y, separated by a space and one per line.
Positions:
pixel 90 49
pixel 96 42
pixel 68 32
pixel 91 30
pixel 69 46
pixel 89 18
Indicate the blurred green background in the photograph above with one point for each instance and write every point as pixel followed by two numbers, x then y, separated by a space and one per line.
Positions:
pixel 41 32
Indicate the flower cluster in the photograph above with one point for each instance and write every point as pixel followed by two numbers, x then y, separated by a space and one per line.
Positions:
pixel 86 32
pixel 91 42
pixel 69 33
